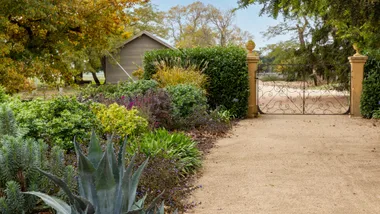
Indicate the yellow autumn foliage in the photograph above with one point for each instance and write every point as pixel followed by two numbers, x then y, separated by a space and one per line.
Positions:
pixel 175 75
pixel 118 120
pixel 55 41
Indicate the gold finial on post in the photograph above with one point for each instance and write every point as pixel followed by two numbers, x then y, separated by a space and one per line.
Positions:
pixel 250 46
pixel 357 49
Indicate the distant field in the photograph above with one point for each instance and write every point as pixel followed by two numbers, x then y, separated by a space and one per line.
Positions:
pixel 89 77
pixel 47 92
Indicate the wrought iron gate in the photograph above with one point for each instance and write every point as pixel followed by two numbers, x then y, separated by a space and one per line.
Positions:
pixel 303 89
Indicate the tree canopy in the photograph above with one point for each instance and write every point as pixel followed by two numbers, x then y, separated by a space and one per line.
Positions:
pixel 56 40
pixel 355 20
pixel 203 25
pixel 147 17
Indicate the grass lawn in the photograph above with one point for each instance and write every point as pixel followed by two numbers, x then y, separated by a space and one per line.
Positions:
pixel 47 92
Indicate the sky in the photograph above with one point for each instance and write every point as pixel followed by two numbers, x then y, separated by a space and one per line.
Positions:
pixel 247 19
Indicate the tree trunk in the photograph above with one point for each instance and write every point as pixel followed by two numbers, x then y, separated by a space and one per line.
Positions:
pixel 79 78
pixel 315 76
pixel 95 78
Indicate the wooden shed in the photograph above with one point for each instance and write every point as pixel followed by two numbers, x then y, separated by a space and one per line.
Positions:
pixel 131 56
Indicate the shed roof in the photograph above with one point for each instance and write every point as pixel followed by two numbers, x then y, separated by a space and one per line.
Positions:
pixel 150 35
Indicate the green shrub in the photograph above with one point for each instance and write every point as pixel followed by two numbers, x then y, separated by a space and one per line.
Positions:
pixel 176 146
pixel 211 122
pixel 18 161
pixel 56 121
pixel 370 99
pixel 226 68
pixel 94 92
pixel 155 106
pixel 106 185
pixel 222 115
pixel 175 75
pixel 190 110
pixel 3 96
pixel 269 78
pixel 107 92
pixel 118 120
pixel 8 125
pixel 163 177
pixel 376 114
pixel 128 89
pixel 186 99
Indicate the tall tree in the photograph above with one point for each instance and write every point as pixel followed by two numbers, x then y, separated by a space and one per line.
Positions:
pixel 298 26
pixel 198 24
pixel 357 21
pixel 50 39
pixel 188 25
pixel 147 17
pixel 223 22
pixel 318 43
pixel 281 53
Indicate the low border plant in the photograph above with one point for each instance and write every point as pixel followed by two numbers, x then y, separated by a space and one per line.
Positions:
pixel 173 146
pixel 105 185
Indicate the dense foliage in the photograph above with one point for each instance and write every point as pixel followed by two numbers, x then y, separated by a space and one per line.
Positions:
pixel 96 93
pixel 376 114
pixel 137 87
pixel 122 89
pixel 370 99
pixel 56 121
pixel 55 40
pixel 175 75
pixel 154 105
pixel 19 158
pixel 106 186
pixel 354 20
pixel 172 146
pixel 163 176
pixel 140 110
pixel 118 120
pixel 3 96
pixel 201 25
pixel 175 107
pixel 226 70
pixel 8 125
pixel 186 100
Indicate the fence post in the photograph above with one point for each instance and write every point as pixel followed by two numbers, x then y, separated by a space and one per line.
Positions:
pixel 252 61
pixel 357 74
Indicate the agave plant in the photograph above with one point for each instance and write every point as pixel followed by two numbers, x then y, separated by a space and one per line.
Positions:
pixel 105 185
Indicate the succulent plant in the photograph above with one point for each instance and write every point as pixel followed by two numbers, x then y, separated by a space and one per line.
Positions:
pixel 105 185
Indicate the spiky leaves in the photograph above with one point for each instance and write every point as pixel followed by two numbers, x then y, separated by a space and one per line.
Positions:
pixel 86 170
pixel 14 201
pixel 130 183
pixel 104 185
pixel 95 152
pixel 19 159
pixel 8 124
pixel 60 206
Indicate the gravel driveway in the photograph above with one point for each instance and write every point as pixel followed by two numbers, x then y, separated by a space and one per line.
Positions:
pixel 294 164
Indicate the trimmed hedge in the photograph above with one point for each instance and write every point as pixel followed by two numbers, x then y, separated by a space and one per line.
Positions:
pixel 370 99
pixel 226 68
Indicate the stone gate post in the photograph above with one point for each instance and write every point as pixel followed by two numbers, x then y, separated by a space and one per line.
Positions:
pixel 252 60
pixel 357 74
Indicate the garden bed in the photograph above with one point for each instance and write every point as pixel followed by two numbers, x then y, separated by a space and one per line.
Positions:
pixel 171 126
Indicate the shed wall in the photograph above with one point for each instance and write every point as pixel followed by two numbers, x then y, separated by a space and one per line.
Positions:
pixel 130 56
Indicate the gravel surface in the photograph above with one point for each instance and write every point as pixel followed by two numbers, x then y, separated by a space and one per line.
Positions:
pixel 294 164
